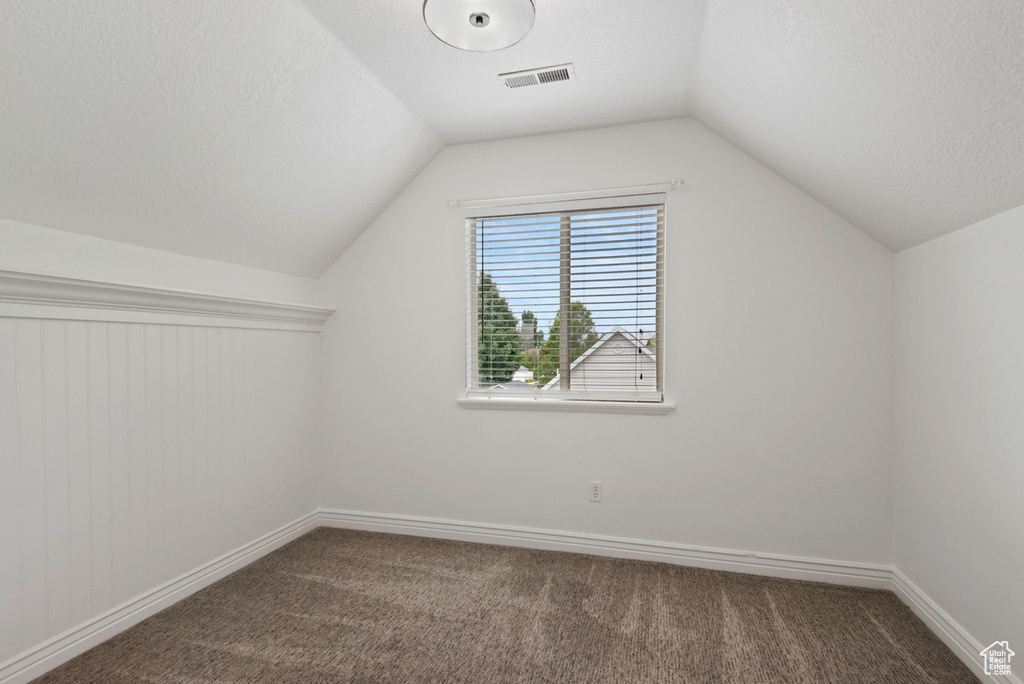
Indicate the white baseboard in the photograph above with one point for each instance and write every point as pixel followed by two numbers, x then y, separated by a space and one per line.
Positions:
pixel 42 658
pixel 963 645
pixel 966 647
pixel 772 565
pixel 48 655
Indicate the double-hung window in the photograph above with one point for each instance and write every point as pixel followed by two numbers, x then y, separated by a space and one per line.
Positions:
pixel 565 301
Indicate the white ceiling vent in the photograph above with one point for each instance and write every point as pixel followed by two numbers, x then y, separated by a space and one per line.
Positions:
pixel 529 77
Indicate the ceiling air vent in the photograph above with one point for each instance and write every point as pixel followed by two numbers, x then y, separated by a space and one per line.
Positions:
pixel 530 77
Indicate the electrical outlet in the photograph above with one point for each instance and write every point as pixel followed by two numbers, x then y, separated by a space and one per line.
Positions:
pixel 595 491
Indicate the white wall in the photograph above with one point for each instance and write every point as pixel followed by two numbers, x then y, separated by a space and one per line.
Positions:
pixel 779 362
pixel 131 453
pixel 959 425
pixel 34 249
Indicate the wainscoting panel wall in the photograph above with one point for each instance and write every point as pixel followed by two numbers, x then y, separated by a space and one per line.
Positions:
pixel 131 453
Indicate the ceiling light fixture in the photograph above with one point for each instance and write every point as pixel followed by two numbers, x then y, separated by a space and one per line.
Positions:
pixel 479 25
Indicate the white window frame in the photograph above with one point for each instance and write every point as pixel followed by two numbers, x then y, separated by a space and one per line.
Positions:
pixel 619 401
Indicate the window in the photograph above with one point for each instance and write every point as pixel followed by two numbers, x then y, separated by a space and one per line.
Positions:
pixel 565 301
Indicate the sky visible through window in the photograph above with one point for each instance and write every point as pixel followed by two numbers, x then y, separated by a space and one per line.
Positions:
pixel 613 265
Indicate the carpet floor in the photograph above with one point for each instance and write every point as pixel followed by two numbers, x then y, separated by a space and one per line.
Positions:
pixel 346 606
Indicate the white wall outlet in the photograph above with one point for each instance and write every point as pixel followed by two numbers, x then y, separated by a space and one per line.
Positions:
pixel 595 491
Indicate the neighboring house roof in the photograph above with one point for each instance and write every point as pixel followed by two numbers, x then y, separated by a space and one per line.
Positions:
pixel 597 345
pixel 515 385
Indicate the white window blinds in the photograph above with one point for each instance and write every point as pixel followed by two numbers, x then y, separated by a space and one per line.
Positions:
pixel 567 304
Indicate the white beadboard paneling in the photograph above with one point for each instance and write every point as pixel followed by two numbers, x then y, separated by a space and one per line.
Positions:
pixel 79 472
pixel 138 464
pixel 208 429
pixel 215 370
pixel 229 410
pixel 98 410
pixel 237 473
pixel 58 520
pixel 10 493
pixel 32 481
pixel 133 453
pixel 173 563
pixel 186 448
pixel 120 487
pixel 155 514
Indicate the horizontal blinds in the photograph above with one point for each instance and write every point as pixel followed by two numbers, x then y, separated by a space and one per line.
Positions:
pixel 590 280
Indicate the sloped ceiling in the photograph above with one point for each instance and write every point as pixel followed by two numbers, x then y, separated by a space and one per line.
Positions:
pixel 235 130
pixel 905 118
pixel 271 133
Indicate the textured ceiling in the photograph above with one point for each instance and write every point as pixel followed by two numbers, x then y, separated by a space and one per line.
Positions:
pixel 905 118
pixel 271 133
pixel 633 61
pixel 235 130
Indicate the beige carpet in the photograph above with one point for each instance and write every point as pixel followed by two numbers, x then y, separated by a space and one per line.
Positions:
pixel 343 606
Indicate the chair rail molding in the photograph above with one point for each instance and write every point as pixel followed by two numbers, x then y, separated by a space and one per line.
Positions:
pixel 29 295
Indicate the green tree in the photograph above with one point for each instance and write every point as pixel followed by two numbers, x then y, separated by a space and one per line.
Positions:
pixel 499 344
pixel 531 359
pixel 580 336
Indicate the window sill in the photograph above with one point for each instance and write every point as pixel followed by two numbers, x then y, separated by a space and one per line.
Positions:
pixel 569 405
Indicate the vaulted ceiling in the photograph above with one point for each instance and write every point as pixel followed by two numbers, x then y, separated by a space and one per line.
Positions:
pixel 271 133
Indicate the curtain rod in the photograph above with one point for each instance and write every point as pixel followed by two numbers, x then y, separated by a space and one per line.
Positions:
pixel 565 196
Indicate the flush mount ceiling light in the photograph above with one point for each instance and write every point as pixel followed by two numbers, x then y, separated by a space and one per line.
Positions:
pixel 479 25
